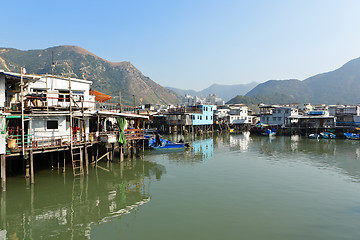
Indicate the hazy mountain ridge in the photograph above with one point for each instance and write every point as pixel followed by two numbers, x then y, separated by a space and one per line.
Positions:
pixel 226 92
pixel 338 86
pixel 107 77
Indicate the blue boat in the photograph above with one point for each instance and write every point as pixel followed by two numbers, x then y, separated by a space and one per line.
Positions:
pixel 314 135
pixel 268 133
pixel 161 143
pixel 327 135
pixel 354 136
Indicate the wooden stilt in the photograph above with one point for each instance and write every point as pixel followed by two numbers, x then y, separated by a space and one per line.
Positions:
pixel 86 160
pixel 52 160
pixel 27 167
pixel 3 211
pixel 3 172
pixel 121 153
pixel 31 167
pixel 133 149
pixel 58 160
pixel 64 162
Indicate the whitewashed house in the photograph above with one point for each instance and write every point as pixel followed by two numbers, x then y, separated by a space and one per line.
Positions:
pixel 47 100
pixel 280 116
pixel 239 115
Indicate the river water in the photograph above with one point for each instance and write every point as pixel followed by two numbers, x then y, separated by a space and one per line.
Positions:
pixel 225 187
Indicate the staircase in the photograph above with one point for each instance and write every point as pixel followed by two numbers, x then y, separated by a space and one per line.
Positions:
pixel 77 161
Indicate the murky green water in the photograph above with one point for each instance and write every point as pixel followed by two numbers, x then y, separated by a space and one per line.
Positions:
pixel 226 187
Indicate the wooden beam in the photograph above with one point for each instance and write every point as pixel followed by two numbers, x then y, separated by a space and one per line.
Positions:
pixel 105 155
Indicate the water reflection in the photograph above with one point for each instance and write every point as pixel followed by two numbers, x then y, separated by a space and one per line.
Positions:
pixel 204 148
pixel 63 207
pixel 338 154
pixel 240 142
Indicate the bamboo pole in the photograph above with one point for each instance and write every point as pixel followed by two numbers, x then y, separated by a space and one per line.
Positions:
pixel 22 112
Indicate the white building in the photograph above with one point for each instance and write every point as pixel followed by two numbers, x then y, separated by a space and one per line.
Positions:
pixel 280 116
pixel 189 100
pixel 48 98
pixel 212 99
pixel 239 115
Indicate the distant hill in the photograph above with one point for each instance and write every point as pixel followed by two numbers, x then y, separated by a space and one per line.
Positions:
pixel 338 86
pixel 270 99
pixel 226 92
pixel 107 77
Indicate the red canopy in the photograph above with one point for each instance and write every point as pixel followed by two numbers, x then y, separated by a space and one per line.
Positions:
pixel 100 97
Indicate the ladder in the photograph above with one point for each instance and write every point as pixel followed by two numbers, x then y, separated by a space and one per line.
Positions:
pixel 77 161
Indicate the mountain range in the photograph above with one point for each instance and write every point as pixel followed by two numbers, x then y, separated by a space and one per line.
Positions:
pixel 108 77
pixel 226 92
pixel 338 86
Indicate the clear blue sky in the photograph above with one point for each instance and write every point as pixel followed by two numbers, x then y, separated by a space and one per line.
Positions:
pixel 193 44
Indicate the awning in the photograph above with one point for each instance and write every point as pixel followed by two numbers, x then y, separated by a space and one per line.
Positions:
pixel 100 97
pixel 125 115
pixel 15 116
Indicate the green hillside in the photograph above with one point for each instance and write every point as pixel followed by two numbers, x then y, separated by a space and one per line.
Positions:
pixel 338 86
pixel 107 77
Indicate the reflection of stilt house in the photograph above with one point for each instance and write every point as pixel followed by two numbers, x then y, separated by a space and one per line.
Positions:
pixel 44 114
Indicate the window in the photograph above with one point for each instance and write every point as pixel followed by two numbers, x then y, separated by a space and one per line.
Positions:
pixel 279 118
pixel 206 117
pixel 193 117
pixel 52 124
pixel 274 118
pixel 211 118
pixel 200 117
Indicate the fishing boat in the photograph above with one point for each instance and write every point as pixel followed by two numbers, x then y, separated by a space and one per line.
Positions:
pixel 158 143
pixel 327 135
pixel 354 136
pixel 268 133
pixel 314 135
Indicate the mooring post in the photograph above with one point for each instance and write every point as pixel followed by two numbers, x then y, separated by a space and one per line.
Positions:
pixel 31 167
pixel 3 172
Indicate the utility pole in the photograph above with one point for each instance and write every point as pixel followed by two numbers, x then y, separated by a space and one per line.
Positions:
pixel 134 103
pixel 120 100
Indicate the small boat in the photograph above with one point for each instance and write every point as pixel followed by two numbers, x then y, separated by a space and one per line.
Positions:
pixel 314 135
pixel 166 144
pixel 268 133
pixel 327 135
pixel 354 136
